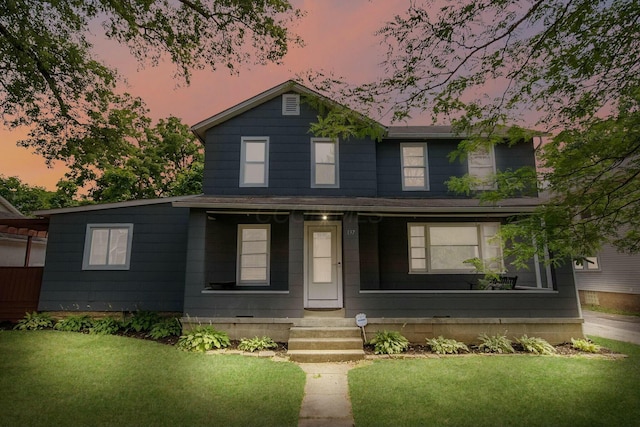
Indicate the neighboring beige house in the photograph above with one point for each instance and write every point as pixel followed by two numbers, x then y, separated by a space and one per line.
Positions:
pixel 22 241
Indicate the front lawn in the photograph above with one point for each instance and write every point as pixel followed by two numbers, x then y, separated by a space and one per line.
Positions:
pixel 53 378
pixel 506 390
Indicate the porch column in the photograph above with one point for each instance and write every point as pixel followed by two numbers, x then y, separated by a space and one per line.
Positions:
pixel 351 261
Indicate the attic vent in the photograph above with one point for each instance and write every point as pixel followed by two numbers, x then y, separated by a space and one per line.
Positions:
pixel 291 104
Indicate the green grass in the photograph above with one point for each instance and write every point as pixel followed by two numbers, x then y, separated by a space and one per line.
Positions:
pixel 500 390
pixel 608 310
pixel 53 378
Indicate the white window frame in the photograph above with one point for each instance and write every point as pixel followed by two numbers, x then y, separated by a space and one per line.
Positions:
pixel 336 162
pixel 591 263
pixel 486 245
pixel 88 247
pixel 490 168
pixel 244 162
pixel 260 282
pixel 287 98
pixel 425 166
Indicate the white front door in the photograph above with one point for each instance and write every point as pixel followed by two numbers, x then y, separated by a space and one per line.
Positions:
pixel 323 265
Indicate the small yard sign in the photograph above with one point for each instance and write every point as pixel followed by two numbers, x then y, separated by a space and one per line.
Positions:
pixel 361 321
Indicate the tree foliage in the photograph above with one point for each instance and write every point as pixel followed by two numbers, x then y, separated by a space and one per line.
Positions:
pixel 568 68
pixel 27 198
pixel 52 81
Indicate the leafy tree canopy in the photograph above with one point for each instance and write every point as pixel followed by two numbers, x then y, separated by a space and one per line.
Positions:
pixel 28 199
pixel 51 81
pixel 487 65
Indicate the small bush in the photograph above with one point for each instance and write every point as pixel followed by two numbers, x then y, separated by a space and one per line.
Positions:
pixel 443 345
pixel 495 344
pixel 169 327
pixel 203 338
pixel 142 321
pixel 75 323
pixel 33 321
pixel 105 326
pixel 256 344
pixel 585 345
pixel 389 342
pixel 535 345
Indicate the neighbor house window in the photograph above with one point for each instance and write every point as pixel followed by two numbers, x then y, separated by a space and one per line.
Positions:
pixel 482 166
pixel 444 248
pixel 254 168
pixel 290 104
pixel 324 162
pixel 253 254
pixel 589 263
pixel 415 173
pixel 107 247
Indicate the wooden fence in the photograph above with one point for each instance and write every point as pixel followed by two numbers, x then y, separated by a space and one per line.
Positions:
pixel 19 291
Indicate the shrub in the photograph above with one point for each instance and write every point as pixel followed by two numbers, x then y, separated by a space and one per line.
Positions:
pixel 166 328
pixel 495 344
pixel 389 342
pixel 256 344
pixel 585 345
pixel 203 338
pixel 535 345
pixel 142 321
pixel 75 323
pixel 105 326
pixel 443 345
pixel 33 321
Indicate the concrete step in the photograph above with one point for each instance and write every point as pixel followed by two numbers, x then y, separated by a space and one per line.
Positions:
pixel 321 356
pixel 324 332
pixel 325 344
pixel 333 322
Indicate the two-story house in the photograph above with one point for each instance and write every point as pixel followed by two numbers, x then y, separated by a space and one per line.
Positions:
pixel 291 225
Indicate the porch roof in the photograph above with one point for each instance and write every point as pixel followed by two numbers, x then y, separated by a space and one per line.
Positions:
pixel 370 205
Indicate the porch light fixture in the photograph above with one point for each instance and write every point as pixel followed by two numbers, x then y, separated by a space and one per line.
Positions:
pixel 324 217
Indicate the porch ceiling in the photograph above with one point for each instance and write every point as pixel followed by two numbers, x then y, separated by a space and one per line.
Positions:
pixel 36 227
pixel 370 205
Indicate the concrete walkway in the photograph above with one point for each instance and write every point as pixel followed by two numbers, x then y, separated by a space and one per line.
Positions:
pixel 326 396
pixel 613 326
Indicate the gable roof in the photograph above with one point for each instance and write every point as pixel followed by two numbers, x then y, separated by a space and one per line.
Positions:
pixel 200 129
pixel 115 205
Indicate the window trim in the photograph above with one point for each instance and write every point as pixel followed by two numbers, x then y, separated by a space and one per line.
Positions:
pixel 285 110
pixel 88 239
pixel 492 155
pixel 482 246
pixel 239 281
pixel 423 145
pixel 581 268
pixel 336 162
pixel 243 160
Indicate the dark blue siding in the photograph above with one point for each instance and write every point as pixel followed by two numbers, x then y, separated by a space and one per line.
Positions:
pixel 289 156
pixel 155 280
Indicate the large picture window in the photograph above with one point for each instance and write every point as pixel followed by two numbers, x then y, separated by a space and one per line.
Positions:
pixel 254 167
pixel 444 248
pixel 482 166
pixel 415 173
pixel 324 162
pixel 107 247
pixel 253 254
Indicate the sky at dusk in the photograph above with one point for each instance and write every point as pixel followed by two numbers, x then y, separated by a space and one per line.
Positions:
pixel 339 38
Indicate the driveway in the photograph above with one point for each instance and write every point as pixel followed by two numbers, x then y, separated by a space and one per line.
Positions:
pixel 612 326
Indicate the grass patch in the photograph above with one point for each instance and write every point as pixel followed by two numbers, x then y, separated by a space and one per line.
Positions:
pixel 500 390
pixel 608 310
pixel 58 378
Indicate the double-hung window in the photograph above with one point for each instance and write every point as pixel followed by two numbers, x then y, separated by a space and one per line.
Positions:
pixel 254 167
pixel 324 163
pixel 589 263
pixel 253 254
pixel 415 172
pixel 107 247
pixel 447 248
pixel 482 166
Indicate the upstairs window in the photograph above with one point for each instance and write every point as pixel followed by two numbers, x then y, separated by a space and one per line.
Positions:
pixel 589 263
pixel 482 165
pixel 254 158
pixel 415 173
pixel 324 163
pixel 253 254
pixel 107 247
pixel 291 104
pixel 444 248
